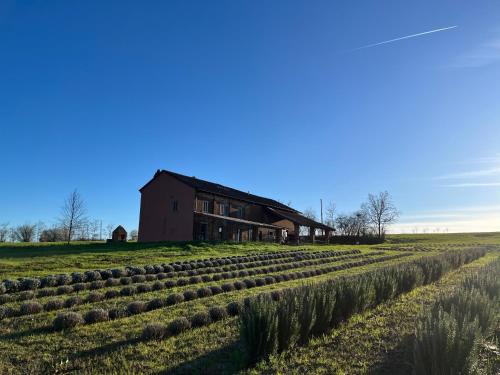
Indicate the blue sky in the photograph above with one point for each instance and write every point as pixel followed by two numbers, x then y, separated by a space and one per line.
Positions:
pixel 268 96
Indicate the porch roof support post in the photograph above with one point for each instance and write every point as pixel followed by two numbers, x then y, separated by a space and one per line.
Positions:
pixel 296 228
pixel 255 233
pixel 312 234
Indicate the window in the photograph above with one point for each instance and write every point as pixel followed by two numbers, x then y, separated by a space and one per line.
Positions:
pixel 224 209
pixel 205 206
pixel 241 212
pixel 175 205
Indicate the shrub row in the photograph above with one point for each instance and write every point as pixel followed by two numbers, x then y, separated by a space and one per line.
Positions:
pixel 270 326
pixel 168 270
pixel 68 320
pixel 449 335
pixel 138 307
pixel 145 288
pixel 158 331
pixel 34 307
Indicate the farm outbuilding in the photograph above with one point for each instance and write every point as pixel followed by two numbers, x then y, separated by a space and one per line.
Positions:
pixel 119 234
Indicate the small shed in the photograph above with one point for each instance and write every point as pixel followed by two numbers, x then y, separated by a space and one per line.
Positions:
pixel 119 234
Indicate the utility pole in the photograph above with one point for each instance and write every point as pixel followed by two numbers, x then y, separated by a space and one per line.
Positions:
pixel 321 204
pixel 100 232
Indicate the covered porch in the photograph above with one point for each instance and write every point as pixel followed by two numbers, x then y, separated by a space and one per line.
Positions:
pixel 300 229
pixel 212 227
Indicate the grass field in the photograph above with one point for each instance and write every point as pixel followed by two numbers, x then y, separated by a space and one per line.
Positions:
pixel 367 343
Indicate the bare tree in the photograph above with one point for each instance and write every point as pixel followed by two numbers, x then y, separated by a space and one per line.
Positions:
pixel 133 234
pixel 73 214
pixel 40 227
pixel 109 229
pixel 352 225
pixel 12 234
pixel 310 213
pixel 54 234
pixel 25 232
pixel 331 208
pixel 380 212
pixel 4 232
pixel 94 230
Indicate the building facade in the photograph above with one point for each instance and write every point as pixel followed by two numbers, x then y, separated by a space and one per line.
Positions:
pixel 176 207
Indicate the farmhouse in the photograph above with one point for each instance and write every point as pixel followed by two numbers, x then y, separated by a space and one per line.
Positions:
pixel 175 207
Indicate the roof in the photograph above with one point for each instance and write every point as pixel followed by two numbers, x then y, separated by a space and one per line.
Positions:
pixel 237 220
pixel 119 228
pixel 214 188
pixel 298 218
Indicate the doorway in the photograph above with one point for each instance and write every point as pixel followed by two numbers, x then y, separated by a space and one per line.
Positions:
pixel 203 231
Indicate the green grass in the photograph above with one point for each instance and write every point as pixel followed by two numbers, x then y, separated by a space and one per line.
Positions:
pixel 486 238
pixel 28 346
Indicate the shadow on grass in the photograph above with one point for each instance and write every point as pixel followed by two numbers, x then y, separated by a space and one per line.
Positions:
pixel 396 361
pixel 111 347
pixel 226 360
pixel 29 332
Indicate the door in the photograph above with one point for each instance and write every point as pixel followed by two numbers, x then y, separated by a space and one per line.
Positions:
pixel 203 231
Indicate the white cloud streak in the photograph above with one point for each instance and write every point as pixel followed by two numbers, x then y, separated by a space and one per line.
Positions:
pixel 459 219
pixel 404 37
pixel 485 54
pixel 483 177
pixel 472 184
pixel 471 174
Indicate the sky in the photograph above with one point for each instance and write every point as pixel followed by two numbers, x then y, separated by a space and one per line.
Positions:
pixel 294 100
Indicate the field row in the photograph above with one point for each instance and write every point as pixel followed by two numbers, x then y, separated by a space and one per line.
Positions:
pixel 171 270
pixel 123 308
pixel 370 344
pixel 432 269
pixel 34 307
pixel 204 274
pixel 270 326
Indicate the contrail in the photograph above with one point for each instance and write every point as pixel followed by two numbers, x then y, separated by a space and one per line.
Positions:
pixel 405 37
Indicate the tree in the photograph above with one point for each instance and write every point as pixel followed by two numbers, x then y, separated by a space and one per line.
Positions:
pixel 310 213
pixel 4 232
pixel 94 230
pixel 73 214
pixel 25 232
pixel 53 235
pixel 40 227
pixel 360 223
pixel 330 214
pixel 109 229
pixel 380 212
pixel 352 225
pixel 133 234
